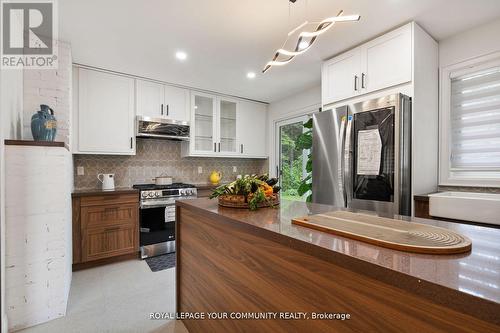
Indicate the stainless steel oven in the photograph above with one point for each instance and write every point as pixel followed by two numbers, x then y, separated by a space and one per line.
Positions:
pixel 157 216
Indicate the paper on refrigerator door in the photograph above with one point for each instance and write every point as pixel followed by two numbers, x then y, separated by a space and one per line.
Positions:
pixel 369 151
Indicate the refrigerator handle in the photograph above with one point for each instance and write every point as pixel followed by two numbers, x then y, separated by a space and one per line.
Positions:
pixel 341 163
pixel 347 169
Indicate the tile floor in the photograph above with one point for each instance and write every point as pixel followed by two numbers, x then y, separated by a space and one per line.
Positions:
pixel 117 298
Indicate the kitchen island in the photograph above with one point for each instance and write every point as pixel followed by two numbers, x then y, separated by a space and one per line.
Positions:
pixel 237 262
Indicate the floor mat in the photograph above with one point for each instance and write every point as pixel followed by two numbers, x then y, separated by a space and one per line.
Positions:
pixel 162 262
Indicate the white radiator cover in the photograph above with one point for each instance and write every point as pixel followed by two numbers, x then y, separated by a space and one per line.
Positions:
pixel 38 235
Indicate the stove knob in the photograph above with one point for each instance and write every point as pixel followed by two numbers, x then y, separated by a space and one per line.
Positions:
pixel 157 194
pixel 189 192
pixel 144 194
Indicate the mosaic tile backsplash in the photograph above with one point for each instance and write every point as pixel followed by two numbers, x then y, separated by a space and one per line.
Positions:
pixel 155 157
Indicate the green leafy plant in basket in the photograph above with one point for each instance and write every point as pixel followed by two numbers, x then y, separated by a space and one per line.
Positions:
pixel 253 190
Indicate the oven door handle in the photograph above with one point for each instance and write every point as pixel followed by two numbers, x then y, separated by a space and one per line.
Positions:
pixel 146 206
pixel 164 203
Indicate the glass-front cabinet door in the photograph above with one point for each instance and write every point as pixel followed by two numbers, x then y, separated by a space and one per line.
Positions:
pixel 204 112
pixel 227 126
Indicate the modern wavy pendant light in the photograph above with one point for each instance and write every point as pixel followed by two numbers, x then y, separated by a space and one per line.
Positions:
pixel 306 38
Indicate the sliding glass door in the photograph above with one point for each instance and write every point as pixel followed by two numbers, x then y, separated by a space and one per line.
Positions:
pixel 290 160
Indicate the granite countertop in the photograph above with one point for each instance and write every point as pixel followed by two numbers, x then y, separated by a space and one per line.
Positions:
pixel 91 192
pixel 469 282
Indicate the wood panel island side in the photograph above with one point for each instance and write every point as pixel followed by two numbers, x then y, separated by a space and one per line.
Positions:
pixel 234 262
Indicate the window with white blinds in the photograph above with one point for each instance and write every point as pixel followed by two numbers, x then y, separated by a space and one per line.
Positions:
pixel 474 129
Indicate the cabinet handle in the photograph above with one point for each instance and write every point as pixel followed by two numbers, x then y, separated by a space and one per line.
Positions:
pixel 219 147
pixel 363 80
pixel 167 109
pixel 241 148
pixel 162 109
pixel 355 83
pixel 131 142
pixel 215 147
pixel 112 229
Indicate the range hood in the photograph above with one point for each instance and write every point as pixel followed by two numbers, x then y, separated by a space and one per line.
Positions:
pixel 162 128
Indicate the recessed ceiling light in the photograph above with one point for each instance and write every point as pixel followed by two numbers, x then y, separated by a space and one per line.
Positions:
pixel 303 45
pixel 181 55
pixel 251 75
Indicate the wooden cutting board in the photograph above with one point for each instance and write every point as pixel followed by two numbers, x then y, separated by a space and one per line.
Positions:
pixel 389 233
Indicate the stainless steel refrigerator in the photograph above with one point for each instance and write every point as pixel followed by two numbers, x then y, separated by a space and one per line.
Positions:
pixel 362 155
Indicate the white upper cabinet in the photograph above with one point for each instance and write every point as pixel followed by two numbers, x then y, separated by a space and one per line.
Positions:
pixel 157 100
pixel 388 60
pixel 105 106
pixel 150 97
pixel 381 63
pixel 340 78
pixel 203 129
pixel 226 127
pixel 104 113
pixel 176 104
pixel 227 117
pixel 251 129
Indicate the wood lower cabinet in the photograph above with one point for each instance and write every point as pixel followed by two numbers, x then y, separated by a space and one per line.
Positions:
pixel 105 227
pixel 108 215
pixel 99 243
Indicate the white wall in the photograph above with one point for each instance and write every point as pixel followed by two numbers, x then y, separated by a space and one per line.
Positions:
pixel 469 44
pixel 11 106
pixel 305 102
pixel 465 46
pixel 21 92
pixel 38 234
pixel 53 88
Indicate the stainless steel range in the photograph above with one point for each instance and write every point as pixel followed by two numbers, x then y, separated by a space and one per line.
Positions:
pixel 157 216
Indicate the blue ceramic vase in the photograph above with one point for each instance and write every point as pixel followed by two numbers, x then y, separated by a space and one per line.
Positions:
pixel 44 124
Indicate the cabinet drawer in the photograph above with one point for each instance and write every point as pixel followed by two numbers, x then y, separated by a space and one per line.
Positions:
pixel 102 216
pixel 99 200
pixel 99 243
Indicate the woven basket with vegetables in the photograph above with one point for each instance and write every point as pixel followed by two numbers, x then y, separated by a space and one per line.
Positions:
pixel 249 192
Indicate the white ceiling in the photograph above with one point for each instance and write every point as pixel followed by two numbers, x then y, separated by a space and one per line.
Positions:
pixel 225 39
